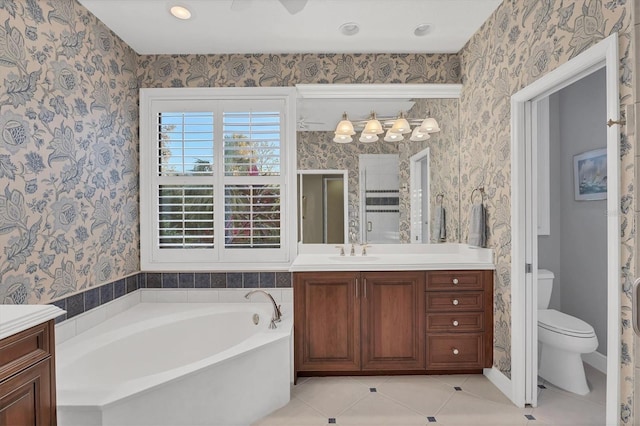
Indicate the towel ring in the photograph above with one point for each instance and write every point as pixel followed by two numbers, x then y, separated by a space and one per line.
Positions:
pixel 481 191
pixel 439 198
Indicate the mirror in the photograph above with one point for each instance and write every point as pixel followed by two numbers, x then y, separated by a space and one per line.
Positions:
pixel 322 201
pixel 428 171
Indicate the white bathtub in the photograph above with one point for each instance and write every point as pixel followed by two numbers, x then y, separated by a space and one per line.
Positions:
pixel 176 364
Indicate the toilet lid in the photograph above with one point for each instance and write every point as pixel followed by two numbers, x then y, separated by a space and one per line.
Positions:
pixel 562 323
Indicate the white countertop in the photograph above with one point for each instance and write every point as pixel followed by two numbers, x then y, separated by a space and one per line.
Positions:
pixel 392 257
pixel 16 318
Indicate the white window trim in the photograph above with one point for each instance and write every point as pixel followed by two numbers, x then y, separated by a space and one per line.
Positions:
pixel 182 260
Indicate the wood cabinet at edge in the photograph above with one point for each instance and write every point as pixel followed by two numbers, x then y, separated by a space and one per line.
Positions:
pixel 27 377
pixel 380 322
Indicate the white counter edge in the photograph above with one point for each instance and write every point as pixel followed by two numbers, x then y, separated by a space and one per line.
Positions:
pixel 33 315
pixel 367 267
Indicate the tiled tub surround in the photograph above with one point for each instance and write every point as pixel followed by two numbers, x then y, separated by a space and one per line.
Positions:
pixel 97 296
pixel 145 387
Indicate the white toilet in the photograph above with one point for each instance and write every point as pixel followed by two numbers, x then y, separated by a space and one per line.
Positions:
pixel 563 339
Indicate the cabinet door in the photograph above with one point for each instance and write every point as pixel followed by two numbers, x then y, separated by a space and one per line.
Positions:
pixel 26 398
pixel 327 321
pixel 393 333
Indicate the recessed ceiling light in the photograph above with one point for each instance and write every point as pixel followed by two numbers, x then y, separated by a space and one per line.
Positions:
pixel 180 12
pixel 422 29
pixel 349 28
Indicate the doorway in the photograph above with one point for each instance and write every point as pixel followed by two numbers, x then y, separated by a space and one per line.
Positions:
pixel 420 198
pixel 526 108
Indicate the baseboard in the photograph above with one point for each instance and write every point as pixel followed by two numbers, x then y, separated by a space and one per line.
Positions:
pixel 499 380
pixel 596 360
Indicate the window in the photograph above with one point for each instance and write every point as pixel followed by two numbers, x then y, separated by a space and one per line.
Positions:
pixel 215 168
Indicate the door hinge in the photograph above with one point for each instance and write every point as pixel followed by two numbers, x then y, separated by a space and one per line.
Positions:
pixel 528 268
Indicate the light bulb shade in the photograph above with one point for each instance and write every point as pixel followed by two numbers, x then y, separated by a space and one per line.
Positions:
pixel 366 138
pixel 373 127
pixel 430 125
pixel 392 136
pixel 342 138
pixel 345 127
pixel 418 135
pixel 401 125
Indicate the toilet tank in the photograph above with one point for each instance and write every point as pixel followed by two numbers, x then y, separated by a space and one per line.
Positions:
pixel 545 285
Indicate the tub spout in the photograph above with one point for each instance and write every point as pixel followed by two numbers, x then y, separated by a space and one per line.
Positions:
pixel 276 317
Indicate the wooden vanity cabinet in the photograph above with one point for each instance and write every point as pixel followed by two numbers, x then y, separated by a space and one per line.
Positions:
pixel 27 377
pixel 459 316
pixel 352 321
pixel 392 321
pixel 327 321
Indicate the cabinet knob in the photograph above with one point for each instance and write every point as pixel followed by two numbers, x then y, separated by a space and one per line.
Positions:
pixel 455 323
pixel 456 352
pixel 455 301
pixel 455 281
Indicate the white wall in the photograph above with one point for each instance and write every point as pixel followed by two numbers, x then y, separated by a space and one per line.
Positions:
pixel 578 228
pixel 549 246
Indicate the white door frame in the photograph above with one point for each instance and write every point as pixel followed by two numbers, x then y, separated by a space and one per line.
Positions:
pixel 417 192
pixel 523 228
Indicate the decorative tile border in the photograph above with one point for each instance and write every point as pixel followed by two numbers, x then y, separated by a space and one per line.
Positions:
pixel 98 296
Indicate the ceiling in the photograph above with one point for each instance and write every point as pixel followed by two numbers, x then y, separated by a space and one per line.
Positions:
pixel 265 26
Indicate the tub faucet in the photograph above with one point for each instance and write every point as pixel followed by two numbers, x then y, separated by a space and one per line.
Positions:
pixel 276 317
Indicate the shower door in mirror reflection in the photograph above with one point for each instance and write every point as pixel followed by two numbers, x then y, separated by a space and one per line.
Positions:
pixel 379 198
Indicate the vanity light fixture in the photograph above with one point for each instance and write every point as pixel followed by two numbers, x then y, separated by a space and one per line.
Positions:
pixel 418 135
pixel 392 136
pixel 368 137
pixel 345 127
pixel 180 12
pixel 395 128
pixel 342 138
pixel 373 126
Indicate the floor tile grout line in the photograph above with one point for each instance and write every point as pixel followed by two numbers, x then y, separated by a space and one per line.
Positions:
pixel 444 403
pixel 409 408
pixel 320 413
pixel 354 403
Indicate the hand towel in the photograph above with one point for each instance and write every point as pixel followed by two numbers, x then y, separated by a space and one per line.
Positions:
pixel 477 226
pixel 440 225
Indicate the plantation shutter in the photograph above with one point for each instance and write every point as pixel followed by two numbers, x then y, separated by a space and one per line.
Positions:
pixel 185 191
pixel 253 178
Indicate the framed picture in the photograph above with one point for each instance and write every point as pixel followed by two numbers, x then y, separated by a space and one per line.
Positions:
pixel 590 175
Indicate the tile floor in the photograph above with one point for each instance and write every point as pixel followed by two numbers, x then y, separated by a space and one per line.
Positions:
pixel 437 400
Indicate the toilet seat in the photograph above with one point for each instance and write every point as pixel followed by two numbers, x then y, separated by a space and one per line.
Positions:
pixel 561 323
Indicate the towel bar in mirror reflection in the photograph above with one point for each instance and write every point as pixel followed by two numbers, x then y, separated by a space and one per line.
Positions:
pixel 635 305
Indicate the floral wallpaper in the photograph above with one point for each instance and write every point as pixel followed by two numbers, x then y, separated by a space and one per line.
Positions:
pixel 236 70
pixel 316 150
pixel 68 133
pixel 68 152
pixel 519 43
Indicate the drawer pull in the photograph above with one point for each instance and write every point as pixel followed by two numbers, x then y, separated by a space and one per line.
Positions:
pixel 455 323
pixel 456 352
pixel 455 281
pixel 455 301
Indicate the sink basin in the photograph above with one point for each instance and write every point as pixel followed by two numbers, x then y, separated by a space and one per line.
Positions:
pixel 354 259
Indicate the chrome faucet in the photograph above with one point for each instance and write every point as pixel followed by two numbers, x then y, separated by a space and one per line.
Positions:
pixel 277 315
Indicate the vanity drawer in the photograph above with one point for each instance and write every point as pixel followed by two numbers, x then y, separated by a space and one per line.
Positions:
pixel 454 351
pixel 455 301
pixel 449 280
pixel 23 349
pixel 455 322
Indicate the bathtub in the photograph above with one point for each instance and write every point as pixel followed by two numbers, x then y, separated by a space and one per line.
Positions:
pixel 176 364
